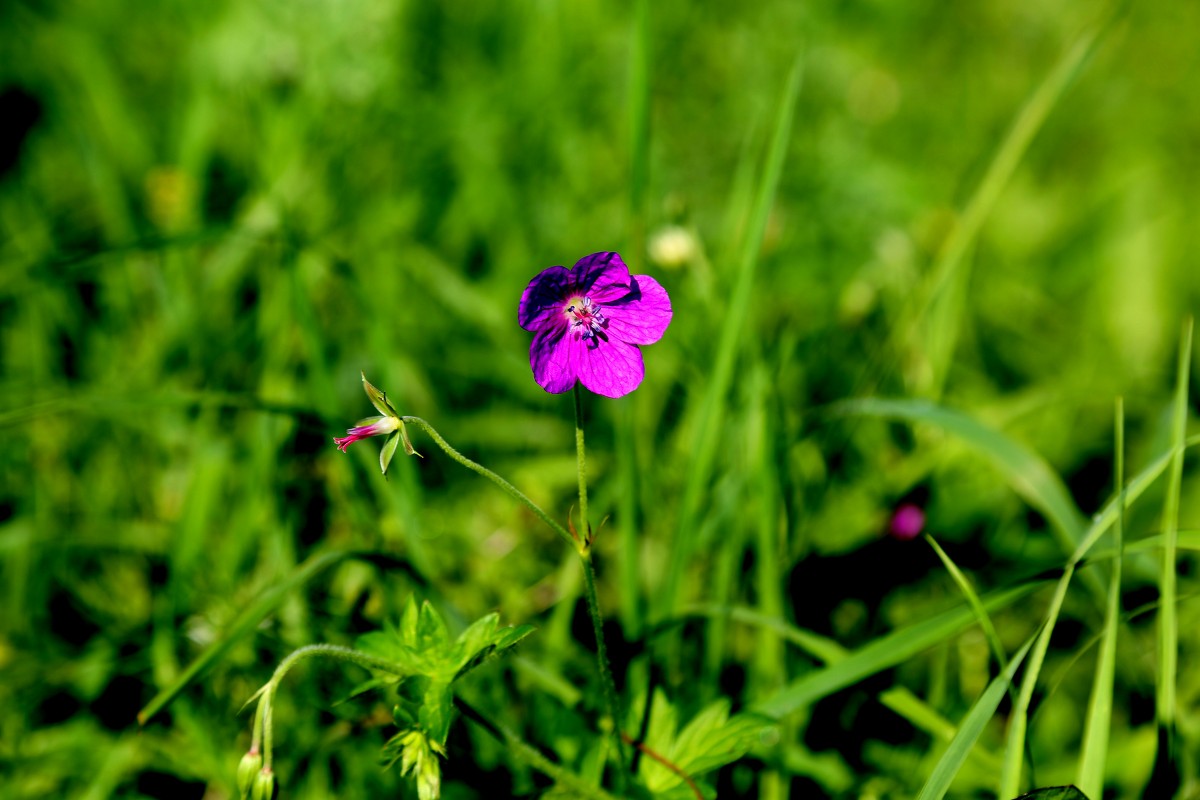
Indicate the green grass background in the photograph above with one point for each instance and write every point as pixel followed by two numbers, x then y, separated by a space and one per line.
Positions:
pixel 227 210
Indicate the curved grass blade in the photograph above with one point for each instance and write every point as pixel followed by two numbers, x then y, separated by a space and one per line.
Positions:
pixel 1168 629
pixel 985 622
pixel 247 621
pixel 1099 717
pixel 934 320
pixel 968 732
pixel 1027 472
pixel 880 654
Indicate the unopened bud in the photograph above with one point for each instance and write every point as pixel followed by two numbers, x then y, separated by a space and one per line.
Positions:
pixel 264 785
pixel 250 765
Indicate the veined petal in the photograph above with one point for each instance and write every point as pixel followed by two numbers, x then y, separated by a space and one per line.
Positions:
pixel 543 298
pixel 550 359
pixel 601 276
pixel 642 315
pixel 611 368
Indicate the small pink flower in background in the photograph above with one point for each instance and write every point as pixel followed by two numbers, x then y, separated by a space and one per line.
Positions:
pixel 387 423
pixel 907 522
pixel 588 322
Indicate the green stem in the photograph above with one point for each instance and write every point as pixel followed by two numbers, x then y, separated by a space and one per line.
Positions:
pixel 586 532
pixel 593 601
pixel 530 754
pixel 508 488
pixel 264 715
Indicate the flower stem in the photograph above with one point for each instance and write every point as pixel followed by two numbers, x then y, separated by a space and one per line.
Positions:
pixel 584 548
pixel 508 488
pixel 264 714
pixel 582 545
pixel 586 532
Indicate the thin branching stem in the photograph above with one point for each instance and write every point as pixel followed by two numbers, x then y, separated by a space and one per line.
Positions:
pixel 507 487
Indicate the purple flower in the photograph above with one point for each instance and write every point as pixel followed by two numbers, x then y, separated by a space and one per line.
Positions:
pixel 907 522
pixel 587 323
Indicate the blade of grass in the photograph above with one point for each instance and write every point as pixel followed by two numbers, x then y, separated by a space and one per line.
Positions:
pixel 880 654
pixel 1027 472
pixel 707 425
pixel 935 317
pixel 1014 751
pixel 968 732
pixel 985 622
pixel 1168 625
pixel 1099 717
pixel 813 644
pixel 245 622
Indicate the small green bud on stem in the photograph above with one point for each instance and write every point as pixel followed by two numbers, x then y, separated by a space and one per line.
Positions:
pixel 264 785
pixel 250 765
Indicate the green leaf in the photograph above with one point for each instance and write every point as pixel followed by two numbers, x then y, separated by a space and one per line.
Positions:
pixel 431 631
pixel 389 645
pixel 709 741
pixel 473 648
pixel 437 707
pixel 378 398
pixel 968 732
pixel 389 450
pixel 880 654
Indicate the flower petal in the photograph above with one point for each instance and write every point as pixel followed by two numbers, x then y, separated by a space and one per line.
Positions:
pixel 548 355
pixel 641 316
pixel 611 368
pixel 543 297
pixel 601 276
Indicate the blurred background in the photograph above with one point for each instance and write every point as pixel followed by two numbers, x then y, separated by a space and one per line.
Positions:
pixel 214 215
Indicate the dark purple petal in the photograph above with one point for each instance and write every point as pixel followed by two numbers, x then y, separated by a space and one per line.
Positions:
pixel 543 298
pixel 611 368
pixel 549 357
pixel 601 276
pixel 641 316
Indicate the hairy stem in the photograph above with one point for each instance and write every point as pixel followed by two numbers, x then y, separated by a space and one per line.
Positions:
pixel 507 487
pixel 264 715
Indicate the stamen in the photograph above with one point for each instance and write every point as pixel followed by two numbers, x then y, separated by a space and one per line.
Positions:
pixel 585 318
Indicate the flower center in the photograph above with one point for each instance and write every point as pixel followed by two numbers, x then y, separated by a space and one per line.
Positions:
pixel 585 317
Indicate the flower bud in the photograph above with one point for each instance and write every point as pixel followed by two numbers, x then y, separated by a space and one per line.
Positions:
pixel 250 765
pixel 264 785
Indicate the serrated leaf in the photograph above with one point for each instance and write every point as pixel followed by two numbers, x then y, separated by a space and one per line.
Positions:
pixel 710 740
pixel 389 645
pixel 437 706
pixel 367 686
pixel 408 621
pixel 500 641
pixel 431 634
pixel 389 450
